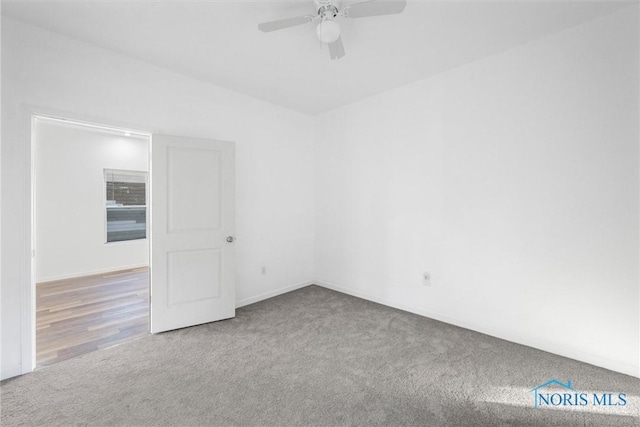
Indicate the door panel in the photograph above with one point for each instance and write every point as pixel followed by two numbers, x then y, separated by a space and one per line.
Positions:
pixel 193 199
pixel 186 167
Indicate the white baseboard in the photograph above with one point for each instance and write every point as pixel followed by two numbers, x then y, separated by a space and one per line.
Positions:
pixel 11 371
pixel 87 273
pixel 550 347
pixel 274 293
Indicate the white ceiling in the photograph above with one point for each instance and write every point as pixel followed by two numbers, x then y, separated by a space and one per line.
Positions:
pixel 218 42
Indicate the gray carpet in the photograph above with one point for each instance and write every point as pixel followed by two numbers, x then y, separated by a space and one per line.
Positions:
pixel 311 357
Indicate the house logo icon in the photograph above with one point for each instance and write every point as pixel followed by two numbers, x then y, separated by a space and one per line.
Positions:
pixel 537 391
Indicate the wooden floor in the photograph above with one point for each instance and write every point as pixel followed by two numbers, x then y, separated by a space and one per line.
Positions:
pixel 80 315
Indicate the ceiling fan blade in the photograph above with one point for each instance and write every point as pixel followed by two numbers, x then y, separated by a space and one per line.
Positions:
pixel 373 8
pixel 280 24
pixel 336 49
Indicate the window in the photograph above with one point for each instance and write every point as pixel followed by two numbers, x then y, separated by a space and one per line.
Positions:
pixel 126 205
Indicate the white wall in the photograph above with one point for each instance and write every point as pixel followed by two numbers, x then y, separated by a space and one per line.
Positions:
pixel 70 208
pixel 512 180
pixel 45 73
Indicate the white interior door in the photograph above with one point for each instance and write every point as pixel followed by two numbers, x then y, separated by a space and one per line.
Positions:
pixel 192 219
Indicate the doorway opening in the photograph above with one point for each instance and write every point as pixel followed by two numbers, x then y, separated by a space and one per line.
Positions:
pixel 91 237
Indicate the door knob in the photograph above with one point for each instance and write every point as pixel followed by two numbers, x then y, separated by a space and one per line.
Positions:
pixel 230 239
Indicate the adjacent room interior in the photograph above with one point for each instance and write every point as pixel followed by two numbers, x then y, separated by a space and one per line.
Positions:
pixel 92 252
pixel 419 218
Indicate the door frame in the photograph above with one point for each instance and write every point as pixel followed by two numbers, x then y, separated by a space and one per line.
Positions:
pixel 31 114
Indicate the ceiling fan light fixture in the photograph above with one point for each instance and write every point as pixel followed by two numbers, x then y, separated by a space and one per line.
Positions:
pixel 328 31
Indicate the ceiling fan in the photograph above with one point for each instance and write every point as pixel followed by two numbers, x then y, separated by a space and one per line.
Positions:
pixel 328 30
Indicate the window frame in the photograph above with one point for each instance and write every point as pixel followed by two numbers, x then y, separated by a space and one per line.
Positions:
pixel 105 208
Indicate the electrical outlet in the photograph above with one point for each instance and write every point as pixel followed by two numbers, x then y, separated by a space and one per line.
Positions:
pixel 263 270
pixel 426 278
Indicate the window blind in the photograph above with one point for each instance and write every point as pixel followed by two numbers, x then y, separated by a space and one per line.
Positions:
pixel 125 202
